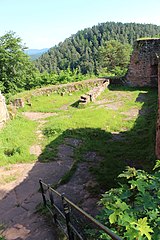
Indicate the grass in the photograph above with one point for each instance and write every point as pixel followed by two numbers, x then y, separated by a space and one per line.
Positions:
pixel 15 140
pixel 96 126
pixel 118 136
pixel 8 178
pixel 52 102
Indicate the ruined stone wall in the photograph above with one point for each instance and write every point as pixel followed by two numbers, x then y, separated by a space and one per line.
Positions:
pixel 3 110
pixel 158 118
pixel 68 87
pixel 94 93
pixel 143 68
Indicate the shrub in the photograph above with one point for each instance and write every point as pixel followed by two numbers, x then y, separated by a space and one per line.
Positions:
pixel 133 209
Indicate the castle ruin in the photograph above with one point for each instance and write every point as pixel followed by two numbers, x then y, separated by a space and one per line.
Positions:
pixel 144 70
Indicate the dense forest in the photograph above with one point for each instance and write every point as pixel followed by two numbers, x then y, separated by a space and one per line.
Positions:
pixel 80 51
pixel 102 50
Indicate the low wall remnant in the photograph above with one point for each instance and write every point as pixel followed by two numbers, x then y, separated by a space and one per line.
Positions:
pixel 94 93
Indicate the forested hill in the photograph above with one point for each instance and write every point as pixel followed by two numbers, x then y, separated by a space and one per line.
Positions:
pixel 80 50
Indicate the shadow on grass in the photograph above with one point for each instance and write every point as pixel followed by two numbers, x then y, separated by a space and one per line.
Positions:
pixel 116 150
pixel 135 148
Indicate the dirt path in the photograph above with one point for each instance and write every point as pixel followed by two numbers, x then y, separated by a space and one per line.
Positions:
pixel 19 186
pixel 40 118
pixel 19 194
pixel 18 200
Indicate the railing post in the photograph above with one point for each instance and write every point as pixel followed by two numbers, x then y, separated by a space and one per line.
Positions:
pixel 67 217
pixel 52 203
pixel 42 192
pixel 50 195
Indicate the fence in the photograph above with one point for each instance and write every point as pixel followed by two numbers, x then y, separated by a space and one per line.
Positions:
pixel 73 221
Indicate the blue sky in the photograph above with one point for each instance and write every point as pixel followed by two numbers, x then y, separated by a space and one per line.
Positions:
pixel 45 23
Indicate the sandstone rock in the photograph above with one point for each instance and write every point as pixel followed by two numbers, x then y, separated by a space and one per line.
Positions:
pixel 3 110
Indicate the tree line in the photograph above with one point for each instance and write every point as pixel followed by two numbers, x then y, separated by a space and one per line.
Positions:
pixel 81 50
pixel 104 49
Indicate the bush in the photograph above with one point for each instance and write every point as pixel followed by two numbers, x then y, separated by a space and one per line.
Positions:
pixel 133 210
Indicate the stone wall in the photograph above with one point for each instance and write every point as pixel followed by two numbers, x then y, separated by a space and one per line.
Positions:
pixel 3 110
pixel 69 87
pixel 158 118
pixel 143 68
pixel 94 93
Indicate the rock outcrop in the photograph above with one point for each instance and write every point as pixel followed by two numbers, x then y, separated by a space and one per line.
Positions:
pixel 3 111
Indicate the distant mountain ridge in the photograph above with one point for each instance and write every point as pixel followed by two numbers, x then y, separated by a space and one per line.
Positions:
pixel 35 53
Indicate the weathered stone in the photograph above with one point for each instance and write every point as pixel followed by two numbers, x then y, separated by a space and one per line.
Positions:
pixel 3 110
pixel 94 93
pixel 143 69
pixel 158 118
pixel 69 87
pixel 18 102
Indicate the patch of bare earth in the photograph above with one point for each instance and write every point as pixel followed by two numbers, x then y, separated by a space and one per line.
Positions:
pixel 109 104
pixel 38 115
pixel 131 113
pixel 64 107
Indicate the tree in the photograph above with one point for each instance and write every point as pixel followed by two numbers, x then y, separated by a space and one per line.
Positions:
pixel 114 57
pixel 92 39
pixel 16 69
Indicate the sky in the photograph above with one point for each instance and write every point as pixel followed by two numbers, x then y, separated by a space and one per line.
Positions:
pixel 45 23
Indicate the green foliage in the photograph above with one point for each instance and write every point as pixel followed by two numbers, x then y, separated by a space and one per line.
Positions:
pixel 74 59
pixel 133 209
pixel 1 230
pixel 80 50
pixel 2 238
pixel 16 70
pixel 45 78
pixel 115 57
pixel 49 132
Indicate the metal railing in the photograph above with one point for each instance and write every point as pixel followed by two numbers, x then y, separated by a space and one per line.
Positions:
pixel 73 221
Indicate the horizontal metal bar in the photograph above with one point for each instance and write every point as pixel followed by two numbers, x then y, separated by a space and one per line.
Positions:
pixel 60 212
pixel 51 189
pixel 104 228
pixel 75 230
pixel 49 210
pixel 94 221
pixel 60 225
